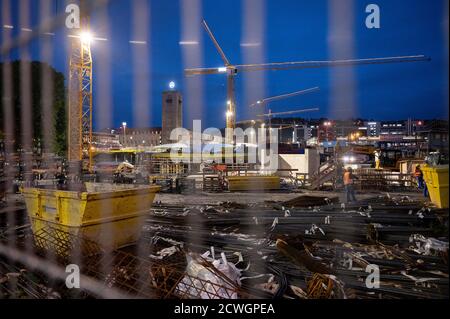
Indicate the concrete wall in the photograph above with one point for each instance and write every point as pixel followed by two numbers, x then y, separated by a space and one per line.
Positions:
pixel 307 163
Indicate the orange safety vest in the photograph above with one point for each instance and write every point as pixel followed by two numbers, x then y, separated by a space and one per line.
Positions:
pixel 418 173
pixel 348 178
pixel 220 168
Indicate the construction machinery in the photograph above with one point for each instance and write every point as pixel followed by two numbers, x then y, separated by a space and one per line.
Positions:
pixel 283 96
pixel 267 100
pixel 127 173
pixel 232 70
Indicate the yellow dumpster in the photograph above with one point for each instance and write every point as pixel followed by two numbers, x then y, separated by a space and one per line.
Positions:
pixel 436 178
pixel 253 183
pixel 110 215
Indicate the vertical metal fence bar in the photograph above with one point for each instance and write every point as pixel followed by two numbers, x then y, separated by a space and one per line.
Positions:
pixel 47 83
pixel 253 51
pixel 191 45
pixel 342 103
pixel 141 53
pixel 8 123
pixel 191 30
pixel 27 138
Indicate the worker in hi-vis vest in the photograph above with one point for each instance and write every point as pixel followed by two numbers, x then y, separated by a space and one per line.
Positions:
pixel 421 185
pixel 348 185
pixel 377 154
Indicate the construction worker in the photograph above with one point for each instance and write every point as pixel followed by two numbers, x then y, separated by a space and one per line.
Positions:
pixel 348 185
pixel 418 174
pixel 377 154
pixel 60 176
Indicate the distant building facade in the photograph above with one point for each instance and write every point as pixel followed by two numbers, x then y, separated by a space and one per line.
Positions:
pixel 373 128
pixel 435 133
pixel 140 137
pixel 172 114
pixel 393 128
pixel 106 140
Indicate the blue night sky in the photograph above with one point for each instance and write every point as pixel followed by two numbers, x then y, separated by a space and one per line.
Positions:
pixel 295 30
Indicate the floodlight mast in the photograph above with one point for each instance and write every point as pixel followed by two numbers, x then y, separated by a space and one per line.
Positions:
pixel 80 94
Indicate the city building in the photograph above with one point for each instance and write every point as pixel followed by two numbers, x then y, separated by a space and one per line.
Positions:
pixel 393 128
pixel 345 128
pixel 302 133
pixel 106 139
pixel 140 137
pixel 435 133
pixel 291 130
pixel 326 131
pixel 172 113
pixel 373 128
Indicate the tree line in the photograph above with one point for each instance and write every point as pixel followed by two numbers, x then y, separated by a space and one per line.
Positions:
pixel 58 143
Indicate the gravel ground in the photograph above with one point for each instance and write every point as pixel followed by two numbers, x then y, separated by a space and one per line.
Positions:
pixel 238 197
pixel 258 197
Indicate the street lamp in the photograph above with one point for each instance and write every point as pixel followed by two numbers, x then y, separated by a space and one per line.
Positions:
pixel 124 125
pixel 172 85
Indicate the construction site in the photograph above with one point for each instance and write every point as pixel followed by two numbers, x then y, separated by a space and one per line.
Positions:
pixel 107 194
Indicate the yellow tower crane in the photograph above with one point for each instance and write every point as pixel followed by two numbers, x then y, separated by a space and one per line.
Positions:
pixel 80 94
pixel 232 70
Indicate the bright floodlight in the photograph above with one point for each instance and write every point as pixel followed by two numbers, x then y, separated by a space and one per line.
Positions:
pixel 124 124
pixel 222 69
pixel 86 37
pixel 229 113
pixel 172 85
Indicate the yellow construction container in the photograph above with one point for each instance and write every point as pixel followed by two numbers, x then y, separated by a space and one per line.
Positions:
pixel 253 183
pixel 110 215
pixel 436 178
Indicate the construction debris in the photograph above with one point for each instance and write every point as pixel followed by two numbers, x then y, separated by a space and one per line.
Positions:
pixel 267 250
pixel 345 241
pixel 310 201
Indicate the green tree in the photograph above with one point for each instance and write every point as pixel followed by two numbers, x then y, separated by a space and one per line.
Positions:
pixel 58 113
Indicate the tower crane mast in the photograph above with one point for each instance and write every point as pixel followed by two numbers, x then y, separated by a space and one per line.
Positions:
pixel 80 94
